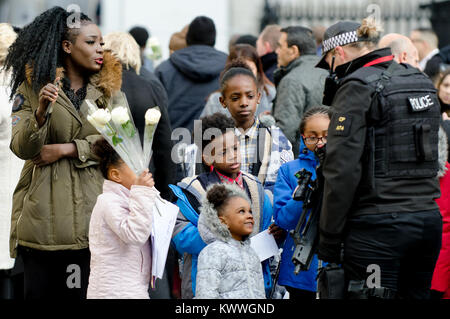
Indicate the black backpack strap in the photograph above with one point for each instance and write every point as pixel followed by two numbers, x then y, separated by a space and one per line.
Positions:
pixel 371 74
pixel 261 140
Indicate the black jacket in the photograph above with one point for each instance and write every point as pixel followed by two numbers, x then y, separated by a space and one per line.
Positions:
pixel 343 169
pixel 433 67
pixel 270 64
pixel 141 95
pixel 189 77
pixel 157 85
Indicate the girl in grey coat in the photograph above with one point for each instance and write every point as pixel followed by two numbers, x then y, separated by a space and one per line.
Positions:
pixel 228 268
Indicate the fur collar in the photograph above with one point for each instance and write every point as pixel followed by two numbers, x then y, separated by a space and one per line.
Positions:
pixel 108 80
pixel 443 152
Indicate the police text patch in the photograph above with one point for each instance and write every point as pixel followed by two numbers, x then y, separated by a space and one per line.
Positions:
pixel 340 125
pixel 420 103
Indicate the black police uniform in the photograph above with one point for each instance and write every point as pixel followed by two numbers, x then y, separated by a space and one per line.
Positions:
pixel 380 176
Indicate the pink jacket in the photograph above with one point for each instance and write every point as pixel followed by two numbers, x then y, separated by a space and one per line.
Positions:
pixel 119 232
pixel 441 275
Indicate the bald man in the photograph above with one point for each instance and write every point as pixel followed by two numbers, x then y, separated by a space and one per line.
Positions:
pixel 426 42
pixel 402 48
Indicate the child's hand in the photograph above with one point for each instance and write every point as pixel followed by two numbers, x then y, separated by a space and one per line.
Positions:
pixel 145 179
pixel 278 233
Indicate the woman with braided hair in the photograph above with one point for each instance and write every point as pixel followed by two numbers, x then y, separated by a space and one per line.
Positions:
pixel 56 63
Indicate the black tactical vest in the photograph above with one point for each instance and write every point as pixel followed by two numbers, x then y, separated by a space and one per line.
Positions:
pixel 403 123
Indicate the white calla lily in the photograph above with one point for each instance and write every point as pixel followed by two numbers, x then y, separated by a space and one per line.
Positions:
pixel 120 115
pixel 152 116
pixel 99 118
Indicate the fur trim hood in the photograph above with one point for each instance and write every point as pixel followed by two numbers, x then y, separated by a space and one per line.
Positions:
pixel 209 225
pixel 442 151
pixel 267 120
pixel 108 80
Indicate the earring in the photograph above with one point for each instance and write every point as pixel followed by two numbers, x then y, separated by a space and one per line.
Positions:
pixel 224 222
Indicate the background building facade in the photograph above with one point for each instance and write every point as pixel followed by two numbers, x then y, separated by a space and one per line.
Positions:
pixel 163 18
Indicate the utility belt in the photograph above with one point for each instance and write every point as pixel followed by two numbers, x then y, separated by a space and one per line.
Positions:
pixel 430 206
pixel 331 285
pixel 359 290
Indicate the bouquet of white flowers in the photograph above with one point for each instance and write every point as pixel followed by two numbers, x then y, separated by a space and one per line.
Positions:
pixel 116 125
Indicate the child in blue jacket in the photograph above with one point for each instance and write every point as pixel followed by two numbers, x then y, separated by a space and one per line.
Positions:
pixel 221 158
pixel 287 211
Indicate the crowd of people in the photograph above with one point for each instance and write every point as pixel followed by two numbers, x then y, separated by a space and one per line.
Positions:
pixel 366 115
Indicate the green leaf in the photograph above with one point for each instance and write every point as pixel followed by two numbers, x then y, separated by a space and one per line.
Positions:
pixel 116 140
pixel 129 128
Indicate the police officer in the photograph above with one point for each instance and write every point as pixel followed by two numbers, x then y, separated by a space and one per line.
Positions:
pixel 380 168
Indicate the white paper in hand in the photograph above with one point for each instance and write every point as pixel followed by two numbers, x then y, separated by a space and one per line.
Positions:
pixel 164 218
pixel 264 245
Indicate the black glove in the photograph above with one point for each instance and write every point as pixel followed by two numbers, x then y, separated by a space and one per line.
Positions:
pixel 330 253
pixel 321 153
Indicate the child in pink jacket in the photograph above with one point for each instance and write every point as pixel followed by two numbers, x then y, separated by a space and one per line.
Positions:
pixel 119 230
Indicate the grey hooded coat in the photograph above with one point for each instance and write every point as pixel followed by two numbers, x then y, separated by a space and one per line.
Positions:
pixel 227 268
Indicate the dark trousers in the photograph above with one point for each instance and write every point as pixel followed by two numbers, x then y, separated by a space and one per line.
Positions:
pixel 60 274
pixel 300 294
pixel 405 247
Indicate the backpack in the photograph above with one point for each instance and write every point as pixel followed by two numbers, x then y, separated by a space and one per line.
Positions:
pixel 403 123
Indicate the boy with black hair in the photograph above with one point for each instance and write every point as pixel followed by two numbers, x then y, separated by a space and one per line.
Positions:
pixel 221 160
pixel 264 147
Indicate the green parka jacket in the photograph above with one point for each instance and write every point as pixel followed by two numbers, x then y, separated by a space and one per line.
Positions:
pixel 52 204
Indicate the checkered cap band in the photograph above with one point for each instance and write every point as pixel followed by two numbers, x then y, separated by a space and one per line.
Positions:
pixel 339 40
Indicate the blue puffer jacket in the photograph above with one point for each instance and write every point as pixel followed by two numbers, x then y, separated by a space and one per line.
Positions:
pixel 287 213
pixel 186 237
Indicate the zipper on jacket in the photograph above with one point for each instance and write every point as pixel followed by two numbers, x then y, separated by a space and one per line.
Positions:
pixel 55 172
pixel 17 231
pixel 20 215
pixel 241 248
pixel 18 220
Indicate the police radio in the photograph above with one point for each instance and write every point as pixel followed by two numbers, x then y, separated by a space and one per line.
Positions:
pixel 331 85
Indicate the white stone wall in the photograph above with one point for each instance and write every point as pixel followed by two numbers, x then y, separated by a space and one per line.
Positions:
pixel 163 18
pixel 245 15
pixel 21 12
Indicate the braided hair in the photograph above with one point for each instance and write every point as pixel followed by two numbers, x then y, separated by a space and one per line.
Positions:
pixel 234 68
pixel 39 48
pixel 313 111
